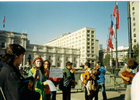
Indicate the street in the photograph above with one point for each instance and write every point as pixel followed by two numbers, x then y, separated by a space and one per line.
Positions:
pixel 111 95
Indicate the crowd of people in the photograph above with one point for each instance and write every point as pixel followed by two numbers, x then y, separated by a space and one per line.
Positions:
pixel 40 86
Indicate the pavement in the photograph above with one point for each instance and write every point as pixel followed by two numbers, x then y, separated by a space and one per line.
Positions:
pixel 111 95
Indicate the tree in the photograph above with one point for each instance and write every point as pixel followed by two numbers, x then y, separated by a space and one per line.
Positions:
pixel 125 58
pixel 106 60
pixel 136 52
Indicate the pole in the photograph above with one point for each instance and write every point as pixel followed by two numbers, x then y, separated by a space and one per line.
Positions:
pixel 111 48
pixel 129 32
pixel 116 42
pixel 108 58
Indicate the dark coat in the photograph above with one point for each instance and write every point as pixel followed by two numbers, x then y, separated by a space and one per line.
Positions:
pixel 14 86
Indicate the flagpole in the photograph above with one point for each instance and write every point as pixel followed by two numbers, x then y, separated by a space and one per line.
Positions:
pixel 111 48
pixel 116 40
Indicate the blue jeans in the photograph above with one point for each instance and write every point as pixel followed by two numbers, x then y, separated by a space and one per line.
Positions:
pixel 102 87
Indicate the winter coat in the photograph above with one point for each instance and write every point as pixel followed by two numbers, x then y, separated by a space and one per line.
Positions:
pixel 14 85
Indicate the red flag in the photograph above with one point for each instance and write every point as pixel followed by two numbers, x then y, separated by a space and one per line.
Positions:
pixel 4 22
pixel 114 11
pixel 112 30
pixel 117 17
pixel 116 14
pixel 110 43
pixel 107 49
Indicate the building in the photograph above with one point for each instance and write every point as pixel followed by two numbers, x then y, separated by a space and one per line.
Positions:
pixel 84 40
pixel 122 52
pixel 56 55
pixel 101 53
pixel 134 15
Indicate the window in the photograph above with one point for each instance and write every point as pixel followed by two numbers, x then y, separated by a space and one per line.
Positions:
pixel 92 31
pixel 58 58
pixel 135 35
pixel 74 58
pixel 134 29
pixel 74 64
pixel 87 43
pixel 133 13
pixel 134 40
pixel 133 18
pixel 67 58
pixel 134 24
pixel 132 3
pixel 29 57
pixel 2 44
pixel 49 57
pixel 58 64
pixel 88 31
pixel 87 35
pixel 133 8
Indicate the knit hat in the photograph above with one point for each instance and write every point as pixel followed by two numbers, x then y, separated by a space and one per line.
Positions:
pixel 37 57
pixel 132 63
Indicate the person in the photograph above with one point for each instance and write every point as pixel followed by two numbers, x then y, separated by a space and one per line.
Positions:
pixel 0 62
pixel 38 65
pixel 101 80
pixel 12 83
pixel 27 67
pixel 50 89
pixel 55 81
pixel 89 79
pixel 46 66
pixel 67 82
pixel 135 87
pixel 132 68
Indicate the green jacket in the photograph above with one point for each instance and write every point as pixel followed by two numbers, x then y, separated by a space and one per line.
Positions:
pixel 39 85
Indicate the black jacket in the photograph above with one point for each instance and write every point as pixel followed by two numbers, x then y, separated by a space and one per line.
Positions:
pixel 14 86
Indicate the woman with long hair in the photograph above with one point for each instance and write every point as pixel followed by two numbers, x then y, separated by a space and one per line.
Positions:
pixel 12 82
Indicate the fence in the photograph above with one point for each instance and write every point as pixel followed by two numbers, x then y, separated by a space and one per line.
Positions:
pixel 112 81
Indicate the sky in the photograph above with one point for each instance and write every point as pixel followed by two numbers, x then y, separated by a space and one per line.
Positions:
pixel 46 20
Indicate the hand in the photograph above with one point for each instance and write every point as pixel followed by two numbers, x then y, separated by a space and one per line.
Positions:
pixel 37 74
pixel 75 82
pixel 45 83
pixel 127 78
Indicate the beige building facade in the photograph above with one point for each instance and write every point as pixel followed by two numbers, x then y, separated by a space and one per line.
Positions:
pixel 84 40
pixel 58 56
pixel 134 14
